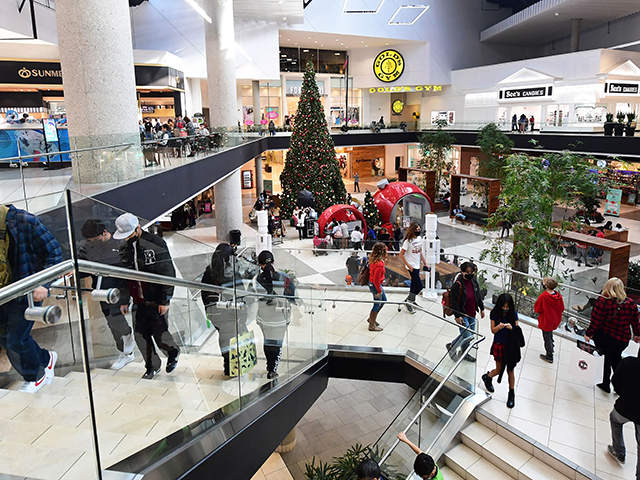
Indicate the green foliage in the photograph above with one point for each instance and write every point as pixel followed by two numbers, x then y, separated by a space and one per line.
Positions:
pixel 495 146
pixel 370 211
pixel 311 160
pixel 620 116
pixel 633 276
pixel 631 117
pixel 609 117
pixel 341 468
pixel 434 147
pixel 533 186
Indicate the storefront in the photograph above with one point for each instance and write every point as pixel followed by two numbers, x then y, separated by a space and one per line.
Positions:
pixel 570 92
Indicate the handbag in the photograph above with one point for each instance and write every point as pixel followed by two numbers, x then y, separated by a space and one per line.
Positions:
pixel 363 275
pixel 586 363
pixel 242 352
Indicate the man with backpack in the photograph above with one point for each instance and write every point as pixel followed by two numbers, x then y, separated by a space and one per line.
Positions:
pixel 26 247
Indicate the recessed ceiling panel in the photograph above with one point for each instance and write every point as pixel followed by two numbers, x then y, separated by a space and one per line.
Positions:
pixel 362 6
pixel 407 14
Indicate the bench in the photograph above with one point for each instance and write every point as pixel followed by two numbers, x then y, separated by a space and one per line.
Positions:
pixel 447 271
pixel 473 217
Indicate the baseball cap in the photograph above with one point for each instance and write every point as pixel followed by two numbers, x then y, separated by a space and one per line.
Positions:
pixel 126 224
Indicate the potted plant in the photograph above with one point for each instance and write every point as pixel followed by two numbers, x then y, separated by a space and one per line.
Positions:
pixel 618 127
pixel 631 124
pixel 608 125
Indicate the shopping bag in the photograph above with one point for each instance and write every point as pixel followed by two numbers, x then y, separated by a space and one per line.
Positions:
pixel 586 363
pixel 242 351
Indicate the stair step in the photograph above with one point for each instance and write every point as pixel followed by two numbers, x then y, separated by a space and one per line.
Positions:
pixel 460 458
pixel 450 474
pixel 485 470
pixel 503 454
pixel 476 435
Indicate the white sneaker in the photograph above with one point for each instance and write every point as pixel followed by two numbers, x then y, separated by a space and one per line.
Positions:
pixel 123 359
pixel 33 387
pixel 48 372
pixel 128 343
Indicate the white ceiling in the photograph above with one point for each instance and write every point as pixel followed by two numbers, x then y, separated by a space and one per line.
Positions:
pixel 328 41
pixel 289 11
pixel 551 19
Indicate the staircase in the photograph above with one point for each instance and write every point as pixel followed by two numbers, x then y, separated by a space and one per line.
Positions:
pixel 47 435
pixel 490 452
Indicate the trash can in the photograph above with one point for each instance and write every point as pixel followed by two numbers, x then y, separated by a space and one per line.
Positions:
pixel 235 237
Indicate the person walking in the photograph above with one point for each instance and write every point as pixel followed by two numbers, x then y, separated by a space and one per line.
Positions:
pixel 345 234
pixel 353 268
pixel 413 258
pixel 356 183
pixel 356 238
pixel 28 247
pixel 466 301
pixel 377 273
pixel 300 224
pixel 532 122
pixel 424 464
pixel 612 319
pixel 626 409
pixel 514 123
pixel 549 306
pixel 368 470
pixel 146 252
pixel 507 341
pixel 272 128
pixel 506 226
pixel 100 246
pixel 220 273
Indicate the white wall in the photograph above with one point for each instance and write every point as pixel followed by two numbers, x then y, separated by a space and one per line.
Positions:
pixel 379 105
pixel 19 24
pixel 391 151
pixel 193 96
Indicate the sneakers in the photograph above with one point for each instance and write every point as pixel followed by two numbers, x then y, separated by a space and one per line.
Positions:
pixel 150 373
pixel 272 375
pixel 46 379
pixel 469 358
pixel 619 458
pixel 128 343
pixel 172 361
pixel 545 358
pixel 122 360
pixel 604 388
pixel 488 383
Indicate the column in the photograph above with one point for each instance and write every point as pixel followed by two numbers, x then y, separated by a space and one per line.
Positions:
pixel 255 88
pixel 99 88
pixel 575 34
pixel 259 182
pixel 223 109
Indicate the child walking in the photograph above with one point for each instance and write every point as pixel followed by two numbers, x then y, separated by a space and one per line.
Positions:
pixel 549 307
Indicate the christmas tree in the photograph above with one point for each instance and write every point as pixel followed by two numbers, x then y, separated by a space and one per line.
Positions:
pixel 311 160
pixel 370 211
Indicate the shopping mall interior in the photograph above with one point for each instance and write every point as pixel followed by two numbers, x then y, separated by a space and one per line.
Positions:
pixel 304 239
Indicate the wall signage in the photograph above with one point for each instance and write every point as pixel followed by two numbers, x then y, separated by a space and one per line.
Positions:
pixel 419 88
pixel 148 109
pixel 615 88
pixel 294 87
pixel 612 205
pixel 397 107
pixel 388 66
pixel 524 93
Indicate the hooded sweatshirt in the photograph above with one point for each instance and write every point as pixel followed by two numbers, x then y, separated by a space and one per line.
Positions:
pixel 549 308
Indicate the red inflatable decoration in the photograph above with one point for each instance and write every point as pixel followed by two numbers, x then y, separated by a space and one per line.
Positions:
pixel 347 213
pixel 389 197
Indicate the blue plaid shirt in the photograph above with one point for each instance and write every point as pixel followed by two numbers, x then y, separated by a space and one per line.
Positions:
pixel 34 248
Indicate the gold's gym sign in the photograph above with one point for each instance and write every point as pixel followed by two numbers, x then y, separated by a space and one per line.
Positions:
pixel 25 72
pixel 388 66
pixel 419 88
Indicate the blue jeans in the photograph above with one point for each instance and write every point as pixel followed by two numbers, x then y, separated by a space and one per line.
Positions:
pixel 416 281
pixel 24 353
pixel 464 339
pixel 377 305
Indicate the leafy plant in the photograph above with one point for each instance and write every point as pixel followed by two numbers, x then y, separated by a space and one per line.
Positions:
pixel 631 117
pixel 609 117
pixel 495 146
pixel 633 275
pixel 434 148
pixel 620 116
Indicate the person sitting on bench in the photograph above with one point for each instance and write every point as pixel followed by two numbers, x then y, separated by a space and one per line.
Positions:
pixel 457 212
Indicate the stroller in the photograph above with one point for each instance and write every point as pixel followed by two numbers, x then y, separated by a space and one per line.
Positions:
pixel 319 246
pixel 278 229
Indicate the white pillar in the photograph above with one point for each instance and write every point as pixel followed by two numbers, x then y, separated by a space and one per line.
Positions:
pixel 223 109
pixel 259 182
pixel 96 55
pixel 255 88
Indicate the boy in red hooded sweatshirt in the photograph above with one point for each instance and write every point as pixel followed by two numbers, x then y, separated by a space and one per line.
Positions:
pixel 549 307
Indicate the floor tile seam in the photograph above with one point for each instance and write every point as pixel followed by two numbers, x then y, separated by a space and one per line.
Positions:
pixel 74 463
pixel 41 435
pixel 575 423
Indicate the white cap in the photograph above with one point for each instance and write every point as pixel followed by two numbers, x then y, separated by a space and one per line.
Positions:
pixel 126 224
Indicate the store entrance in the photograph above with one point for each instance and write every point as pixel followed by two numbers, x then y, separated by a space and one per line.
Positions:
pixel 528 111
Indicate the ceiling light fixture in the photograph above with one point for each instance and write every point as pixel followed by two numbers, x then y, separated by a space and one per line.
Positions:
pixel 337 53
pixel 199 9
pixel 280 2
pixel 284 18
pixel 373 12
pixel 557 14
pixel 423 9
pixel 305 50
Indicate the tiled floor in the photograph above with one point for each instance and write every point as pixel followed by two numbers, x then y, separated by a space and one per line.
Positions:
pixel 348 412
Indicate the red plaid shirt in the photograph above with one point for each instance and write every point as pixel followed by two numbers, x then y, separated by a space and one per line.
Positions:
pixel 614 318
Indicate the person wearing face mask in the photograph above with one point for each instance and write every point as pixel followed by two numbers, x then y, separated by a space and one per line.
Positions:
pixel 507 341
pixel 101 247
pixel 146 252
pixel 413 258
pixel 220 273
pixel 466 301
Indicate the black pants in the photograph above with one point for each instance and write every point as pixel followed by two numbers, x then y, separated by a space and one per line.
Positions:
pixel 273 352
pixel 116 322
pixel 149 327
pixel 548 343
pixel 356 187
pixel 612 350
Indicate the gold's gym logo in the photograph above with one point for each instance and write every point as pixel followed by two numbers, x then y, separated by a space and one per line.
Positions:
pixel 24 73
pixel 388 66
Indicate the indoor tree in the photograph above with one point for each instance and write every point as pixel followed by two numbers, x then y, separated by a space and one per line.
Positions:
pixel 370 211
pixel 311 160
pixel 495 146
pixel 434 148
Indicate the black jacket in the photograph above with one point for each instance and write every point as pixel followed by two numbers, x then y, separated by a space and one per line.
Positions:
pixel 458 296
pixel 512 355
pixel 626 384
pixel 153 257
pixel 109 254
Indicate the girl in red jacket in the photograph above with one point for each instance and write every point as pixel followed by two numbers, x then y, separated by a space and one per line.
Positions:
pixel 549 307
pixel 376 277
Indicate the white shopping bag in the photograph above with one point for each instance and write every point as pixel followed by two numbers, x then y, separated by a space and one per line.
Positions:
pixel 586 364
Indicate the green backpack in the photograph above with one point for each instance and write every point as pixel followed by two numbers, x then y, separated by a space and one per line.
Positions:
pixel 5 267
